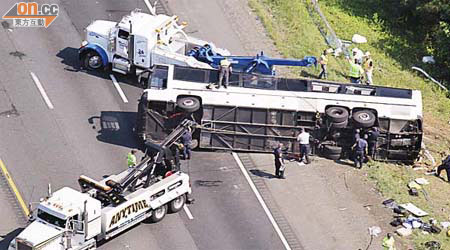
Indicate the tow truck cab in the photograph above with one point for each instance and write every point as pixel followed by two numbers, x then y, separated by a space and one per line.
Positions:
pixel 67 210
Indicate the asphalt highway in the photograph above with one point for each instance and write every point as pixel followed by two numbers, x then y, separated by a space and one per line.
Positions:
pixel 84 127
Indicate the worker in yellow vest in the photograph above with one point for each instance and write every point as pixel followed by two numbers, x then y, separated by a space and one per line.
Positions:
pixel 368 67
pixel 356 71
pixel 388 242
pixel 323 61
pixel 131 159
pixel 224 71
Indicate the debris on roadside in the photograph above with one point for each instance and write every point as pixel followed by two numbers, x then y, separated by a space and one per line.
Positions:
pixel 414 210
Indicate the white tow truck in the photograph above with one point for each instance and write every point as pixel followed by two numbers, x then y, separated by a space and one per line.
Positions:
pixel 138 41
pixel 70 219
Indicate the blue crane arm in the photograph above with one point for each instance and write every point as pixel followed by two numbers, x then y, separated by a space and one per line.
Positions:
pixel 258 64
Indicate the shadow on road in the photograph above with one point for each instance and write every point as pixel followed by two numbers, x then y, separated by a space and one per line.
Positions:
pixel 69 58
pixel 116 127
pixel 262 174
pixel 6 239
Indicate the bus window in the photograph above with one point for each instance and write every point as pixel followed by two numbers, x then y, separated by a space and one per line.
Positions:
pixel 189 74
pixel 391 92
pixel 258 82
pixel 158 79
pixel 324 87
pixel 292 84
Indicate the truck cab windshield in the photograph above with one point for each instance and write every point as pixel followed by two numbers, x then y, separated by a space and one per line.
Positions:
pixel 51 219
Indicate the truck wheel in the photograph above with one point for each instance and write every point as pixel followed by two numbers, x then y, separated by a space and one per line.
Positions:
pixel 92 60
pixel 159 214
pixel 177 204
pixel 337 114
pixel 364 118
pixel 188 104
pixel 194 144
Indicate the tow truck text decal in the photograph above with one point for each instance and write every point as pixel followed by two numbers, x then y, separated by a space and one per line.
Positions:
pixel 124 212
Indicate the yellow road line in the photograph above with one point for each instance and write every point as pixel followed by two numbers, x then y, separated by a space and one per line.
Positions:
pixel 13 187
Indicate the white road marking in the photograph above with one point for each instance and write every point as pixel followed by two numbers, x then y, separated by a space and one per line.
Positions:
pixel 188 212
pixel 41 90
pixel 261 201
pixel 116 84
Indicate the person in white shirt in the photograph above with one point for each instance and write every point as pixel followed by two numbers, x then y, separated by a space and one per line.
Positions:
pixel 303 140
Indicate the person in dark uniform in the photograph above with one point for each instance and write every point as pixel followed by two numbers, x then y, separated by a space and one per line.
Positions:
pixel 356 135
pixel 444 165
pixel 373 138
pixel 186 139
pixel 360 149
pixel 279 161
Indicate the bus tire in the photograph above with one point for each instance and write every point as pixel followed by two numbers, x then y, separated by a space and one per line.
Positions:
pixel 159 213
pixel 188 104
pixel 339 124
pixel 92 61
pixel 177 204
pixel 333 157
pixel 332 150
pixel 364 118
pixel 337 114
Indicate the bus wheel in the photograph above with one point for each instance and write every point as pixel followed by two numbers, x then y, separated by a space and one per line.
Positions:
pixel 364 118
pixel 177 204
pixel 188 104
pixel 339 124
pixel 158 214
pixel 337 114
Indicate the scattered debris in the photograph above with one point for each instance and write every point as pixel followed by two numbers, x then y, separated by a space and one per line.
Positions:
pixel 359 39
pixel 445 224
pixel 414 210
pixel 422 181
pixel 404 231
pixel 374 230
pixel 432 245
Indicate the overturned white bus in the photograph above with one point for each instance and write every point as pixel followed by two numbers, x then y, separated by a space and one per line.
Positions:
pixel 255 112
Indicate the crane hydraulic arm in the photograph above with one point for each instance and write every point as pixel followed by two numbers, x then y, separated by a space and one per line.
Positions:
pixel 143 173
pixel 249 64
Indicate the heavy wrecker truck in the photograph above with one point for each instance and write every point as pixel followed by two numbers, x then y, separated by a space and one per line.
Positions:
pixel 140 40
pixel 70 219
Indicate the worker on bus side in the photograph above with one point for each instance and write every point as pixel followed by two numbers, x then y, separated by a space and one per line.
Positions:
pixel 356 71
pixel 225 70
pixel 323 61
pixel 368 68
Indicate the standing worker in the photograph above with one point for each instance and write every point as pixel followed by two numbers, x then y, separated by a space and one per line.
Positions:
pixel 360 151
pixel 186 139
pixel 224 70
pixel 356 71
pixel 303 140
pixel 131 158
pixel 368 68
pixel 373 138
pixel 323 64
pixel 279 161
pixel 444 165
pixel 389 242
